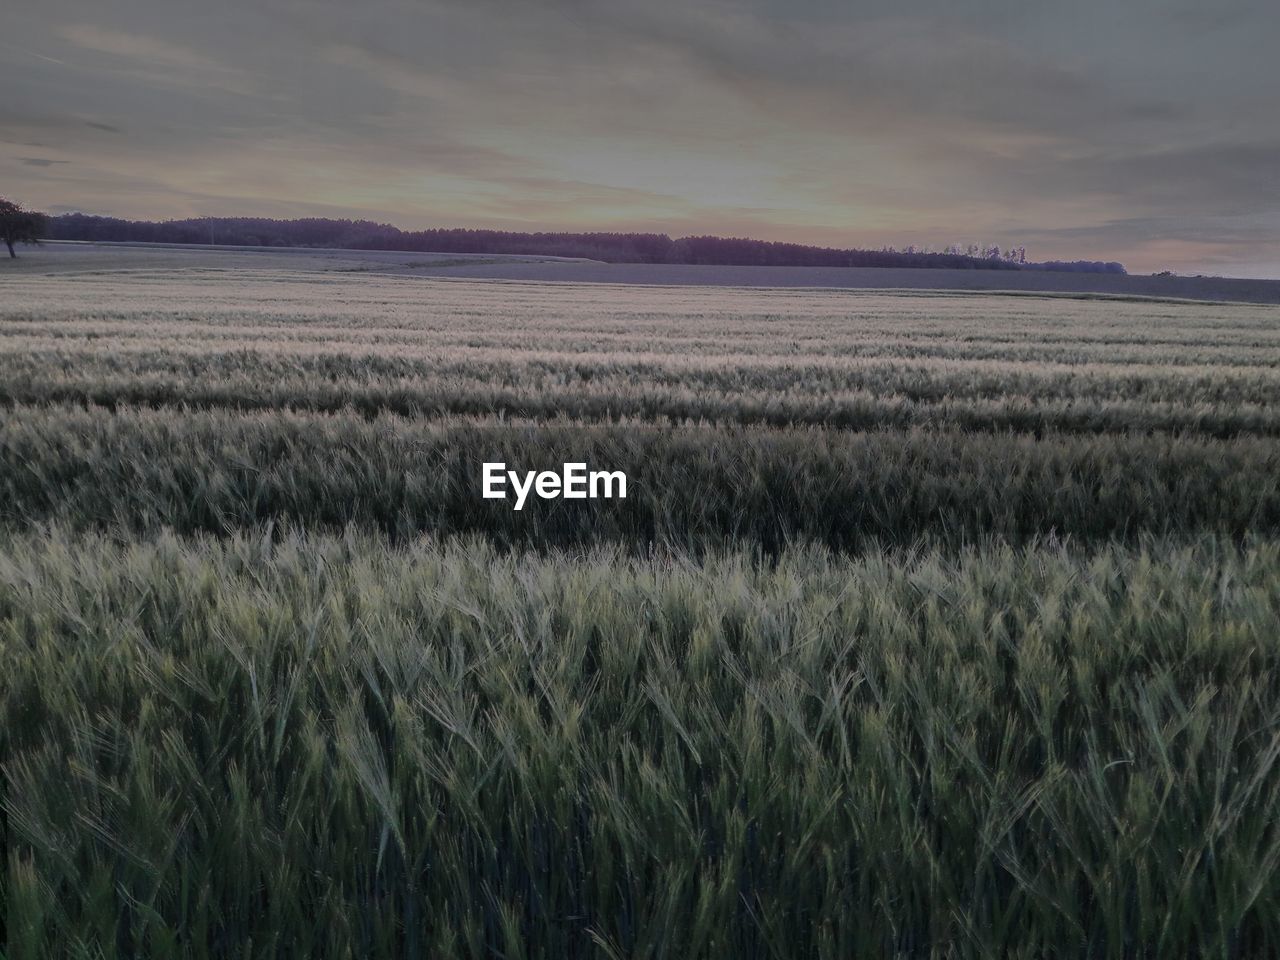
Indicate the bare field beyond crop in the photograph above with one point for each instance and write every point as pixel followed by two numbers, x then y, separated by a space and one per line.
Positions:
pixel 71 259
pixel 934 625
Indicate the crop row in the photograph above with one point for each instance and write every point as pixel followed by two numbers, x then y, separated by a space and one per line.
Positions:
pixel 996 401
pixel 316 746
pixel 691 487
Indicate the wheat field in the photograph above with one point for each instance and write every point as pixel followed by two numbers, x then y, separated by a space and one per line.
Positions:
pixel 934 624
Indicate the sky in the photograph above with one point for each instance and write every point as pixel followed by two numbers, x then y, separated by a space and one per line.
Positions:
pixel 1144 131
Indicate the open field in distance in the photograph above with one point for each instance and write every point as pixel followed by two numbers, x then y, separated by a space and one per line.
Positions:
pixel 76 257
pixel 306 341
pixel 936 624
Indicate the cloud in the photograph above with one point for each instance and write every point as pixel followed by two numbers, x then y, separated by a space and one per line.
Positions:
pixel 155 57
pixel 135 47
pixel 1078 127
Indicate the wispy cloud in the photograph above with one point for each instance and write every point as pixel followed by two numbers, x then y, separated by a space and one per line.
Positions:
pixel 154 56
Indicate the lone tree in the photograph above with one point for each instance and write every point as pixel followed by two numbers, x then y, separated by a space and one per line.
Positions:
pixel 18 225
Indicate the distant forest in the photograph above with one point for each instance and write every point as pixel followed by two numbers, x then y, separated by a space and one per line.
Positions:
pixel 610 247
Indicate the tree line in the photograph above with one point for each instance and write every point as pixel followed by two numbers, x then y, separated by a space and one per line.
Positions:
pixel 607 246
